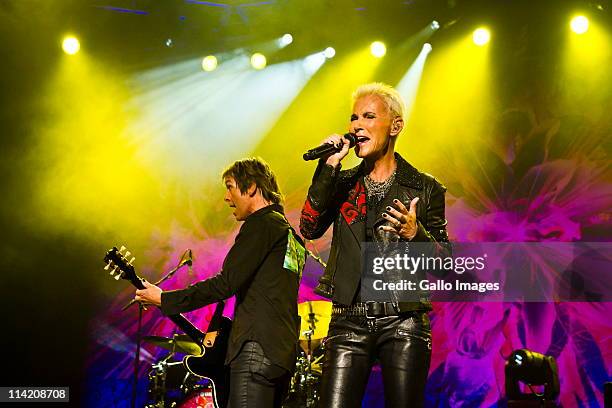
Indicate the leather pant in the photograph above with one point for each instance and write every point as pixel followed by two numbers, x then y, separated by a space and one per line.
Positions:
pixel 402 344
pixel 255 381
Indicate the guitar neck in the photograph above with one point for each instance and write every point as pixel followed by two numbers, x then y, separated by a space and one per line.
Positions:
pixel 215 321
pixel 188 327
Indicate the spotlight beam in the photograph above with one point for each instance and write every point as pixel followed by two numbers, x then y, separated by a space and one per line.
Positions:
pixel 409 84
pixel 191 127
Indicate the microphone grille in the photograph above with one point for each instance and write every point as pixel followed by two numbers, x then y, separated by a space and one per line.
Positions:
pixel 351 138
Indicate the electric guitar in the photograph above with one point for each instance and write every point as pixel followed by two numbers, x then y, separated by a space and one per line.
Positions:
pixel 209 364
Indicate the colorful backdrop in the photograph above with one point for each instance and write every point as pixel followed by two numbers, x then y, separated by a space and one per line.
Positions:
pixel 107 148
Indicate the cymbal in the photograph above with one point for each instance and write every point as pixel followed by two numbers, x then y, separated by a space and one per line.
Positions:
pixel 315 316
pixel 180 343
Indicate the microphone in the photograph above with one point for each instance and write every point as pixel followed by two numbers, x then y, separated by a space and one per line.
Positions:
pixel 327 149
pixel 190 263
pixel 188 260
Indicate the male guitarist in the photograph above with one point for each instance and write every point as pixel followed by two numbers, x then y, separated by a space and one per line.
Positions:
pixel 263 269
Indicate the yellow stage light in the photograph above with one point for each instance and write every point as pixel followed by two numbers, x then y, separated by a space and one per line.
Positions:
pixel 329 52
pixel 579 24
pixel 378 49
pixel 209 63
pixel 71 45
pixel 258 61
pixel 481 36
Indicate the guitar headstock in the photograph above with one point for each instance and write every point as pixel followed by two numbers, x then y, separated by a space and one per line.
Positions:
pixel 119 263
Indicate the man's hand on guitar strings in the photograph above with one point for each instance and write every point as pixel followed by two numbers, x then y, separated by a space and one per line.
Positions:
pixel 150 295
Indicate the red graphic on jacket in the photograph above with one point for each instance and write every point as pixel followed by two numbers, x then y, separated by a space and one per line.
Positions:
pixel 355 204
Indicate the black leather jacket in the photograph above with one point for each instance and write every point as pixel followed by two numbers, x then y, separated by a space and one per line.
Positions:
pixel 339 197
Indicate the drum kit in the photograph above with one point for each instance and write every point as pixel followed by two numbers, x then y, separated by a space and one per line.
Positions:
pixel 172 385
pixel 304 388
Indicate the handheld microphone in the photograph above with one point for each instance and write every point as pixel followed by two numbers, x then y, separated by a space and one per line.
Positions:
pixel 188 260
pixel 327 149
pixel 190 263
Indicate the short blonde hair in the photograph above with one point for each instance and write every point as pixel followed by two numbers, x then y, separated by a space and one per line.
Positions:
pixel 387 93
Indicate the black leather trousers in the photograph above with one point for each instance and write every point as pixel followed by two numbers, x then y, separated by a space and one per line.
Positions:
pixel 255 382
pixel 402 344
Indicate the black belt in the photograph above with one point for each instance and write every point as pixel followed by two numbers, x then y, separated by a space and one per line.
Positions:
pixel 377 309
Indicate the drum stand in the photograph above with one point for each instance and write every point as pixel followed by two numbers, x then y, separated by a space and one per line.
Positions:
pixel 304 381
pixel 157 381
pixel 311 395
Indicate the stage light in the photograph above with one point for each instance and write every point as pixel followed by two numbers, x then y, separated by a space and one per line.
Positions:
pixel 329 52
pixel 435 25
pixel 427 47
pixel 481 36
pixel 531 368
pixel 71 45
pixel 579 24
pixel 285 40
pixel 378 49
pixel 209 63
pixel 258 61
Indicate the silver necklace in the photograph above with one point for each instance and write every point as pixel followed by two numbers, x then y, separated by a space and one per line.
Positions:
pixel 378 189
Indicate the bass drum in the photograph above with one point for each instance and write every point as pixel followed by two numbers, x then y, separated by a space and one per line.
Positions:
pixel 171 386
pixel 199 398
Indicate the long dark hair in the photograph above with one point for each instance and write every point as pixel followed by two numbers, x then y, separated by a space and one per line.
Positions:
pixel 255 170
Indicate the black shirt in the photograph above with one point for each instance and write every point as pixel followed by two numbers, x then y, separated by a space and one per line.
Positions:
pixel 263 269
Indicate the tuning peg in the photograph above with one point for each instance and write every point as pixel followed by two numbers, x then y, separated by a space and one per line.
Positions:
pixel 122 249
pixel 132 260
pixel 107 267
pixel 127 254
pixel 118 276
pixel 114 270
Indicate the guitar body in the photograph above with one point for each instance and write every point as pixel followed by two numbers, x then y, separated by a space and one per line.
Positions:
pixel 210 364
